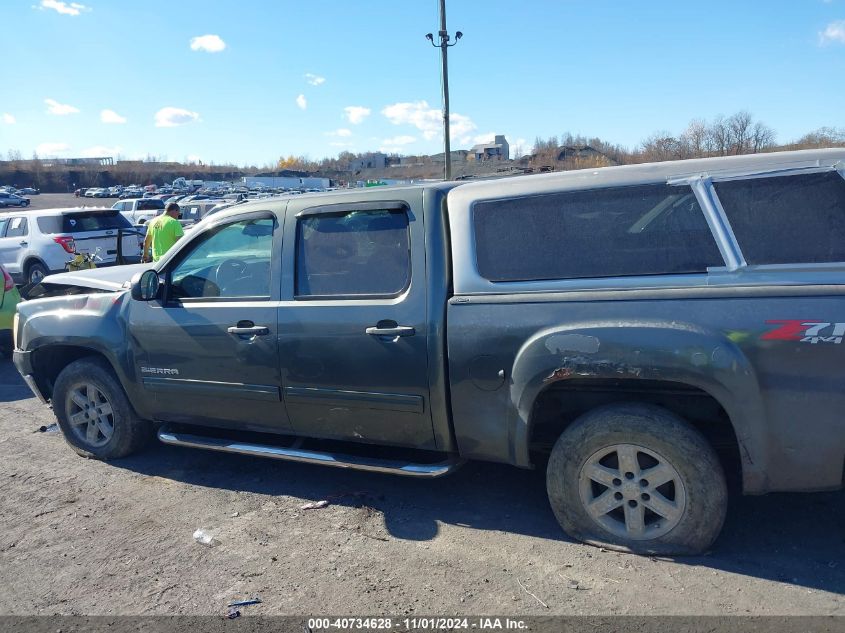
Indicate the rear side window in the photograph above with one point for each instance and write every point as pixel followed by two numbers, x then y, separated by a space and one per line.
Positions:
pixel 359 253
pixel 82 222
pixel 787 219
pixel 17 227
pixel 50 224
pixel 642 230
pixel 149 205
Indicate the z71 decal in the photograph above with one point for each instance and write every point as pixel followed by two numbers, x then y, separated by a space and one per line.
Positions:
pixel 805 331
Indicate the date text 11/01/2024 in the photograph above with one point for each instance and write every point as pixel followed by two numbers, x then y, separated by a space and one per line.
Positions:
pixel 416 624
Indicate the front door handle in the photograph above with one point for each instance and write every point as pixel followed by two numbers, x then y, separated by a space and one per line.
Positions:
pixel 398 330
pixel 23 243
pixel 248 329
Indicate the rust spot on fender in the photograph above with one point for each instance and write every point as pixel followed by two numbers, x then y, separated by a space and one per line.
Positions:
pixel 558 374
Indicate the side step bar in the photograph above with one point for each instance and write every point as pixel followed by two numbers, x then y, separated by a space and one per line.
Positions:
pixel 356 462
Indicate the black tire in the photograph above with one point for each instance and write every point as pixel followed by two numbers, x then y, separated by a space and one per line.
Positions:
pixel 587 450
pixel 35 272
pixel 129 432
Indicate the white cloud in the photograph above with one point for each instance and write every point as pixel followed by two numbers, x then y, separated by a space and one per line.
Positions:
pixel 60 109
pixel 427 119
pixel 314 80
pixel 8 119
pixel 520 147
pixel 51 149
pixel 74 8
pixel 395 143
pixel 172 117
pixel 340 144
pixel 100 150
pixel 833 32
pixel 356 114
pixel 340 132
pixel 207 43
pixel 301 102
pixel 110 116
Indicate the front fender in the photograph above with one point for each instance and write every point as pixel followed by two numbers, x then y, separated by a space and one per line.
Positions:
pixel 666 351
pixel 94 322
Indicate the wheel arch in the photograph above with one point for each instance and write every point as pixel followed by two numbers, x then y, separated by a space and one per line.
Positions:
pixel 563 372
pixel 48 362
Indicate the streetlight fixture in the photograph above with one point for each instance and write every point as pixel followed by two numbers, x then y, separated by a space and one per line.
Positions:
pixel 444 44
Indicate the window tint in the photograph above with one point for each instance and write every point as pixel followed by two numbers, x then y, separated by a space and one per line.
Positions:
pixel 3 223
pixel 787 219
pixel 352 254
pixel 148 205
pixel 82 222
pixel 50 224
pixel 231 261
pixel 643 230
pixel 17 227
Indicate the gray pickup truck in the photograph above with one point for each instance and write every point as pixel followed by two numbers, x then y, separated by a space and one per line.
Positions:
pixel 648 334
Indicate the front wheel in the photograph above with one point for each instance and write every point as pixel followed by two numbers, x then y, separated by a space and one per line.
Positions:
pixel 637 478
pixel 94 414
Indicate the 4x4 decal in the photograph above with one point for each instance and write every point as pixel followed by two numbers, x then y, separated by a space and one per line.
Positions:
pixel 805 331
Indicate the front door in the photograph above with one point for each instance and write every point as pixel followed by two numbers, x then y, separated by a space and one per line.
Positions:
pixel 352 329
pixel 207 351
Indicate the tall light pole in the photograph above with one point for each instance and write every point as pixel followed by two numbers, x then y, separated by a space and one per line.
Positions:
pixel 444 44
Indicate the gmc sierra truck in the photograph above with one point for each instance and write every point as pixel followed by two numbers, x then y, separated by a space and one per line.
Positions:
pixel 647 334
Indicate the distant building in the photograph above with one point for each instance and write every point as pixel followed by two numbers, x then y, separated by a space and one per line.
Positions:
pixel 102 160
pixel 497 150
pixel 376 160
pixel 285 181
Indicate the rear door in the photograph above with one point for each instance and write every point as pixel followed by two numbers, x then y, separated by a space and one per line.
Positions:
pixel 353 329
pixel 14 240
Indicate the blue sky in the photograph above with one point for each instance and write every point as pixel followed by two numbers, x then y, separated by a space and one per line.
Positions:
pixel 319 77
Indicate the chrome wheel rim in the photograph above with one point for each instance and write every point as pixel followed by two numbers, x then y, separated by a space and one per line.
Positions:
pixel 90 415
pixel 35 276
pixel 632 492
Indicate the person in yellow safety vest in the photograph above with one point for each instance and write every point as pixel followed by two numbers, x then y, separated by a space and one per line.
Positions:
pixel 163 232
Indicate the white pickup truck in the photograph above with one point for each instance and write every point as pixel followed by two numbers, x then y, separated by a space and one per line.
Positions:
pixel 139 210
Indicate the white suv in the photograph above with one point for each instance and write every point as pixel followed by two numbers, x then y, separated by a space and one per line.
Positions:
pixel 36 243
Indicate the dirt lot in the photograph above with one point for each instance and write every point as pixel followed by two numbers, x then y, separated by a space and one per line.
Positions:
pixel 61 200
pixel 85 537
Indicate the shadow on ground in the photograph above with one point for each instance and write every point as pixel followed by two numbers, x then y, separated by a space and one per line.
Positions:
pixel 794 538
pixel 12 386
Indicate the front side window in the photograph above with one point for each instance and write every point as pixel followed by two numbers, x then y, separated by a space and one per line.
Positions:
pixel 787 219
pixel 353 254
pixel 640 230
pixel 231 261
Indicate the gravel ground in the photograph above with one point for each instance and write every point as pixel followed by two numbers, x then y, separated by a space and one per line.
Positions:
pixel 84 537
pixel 63 200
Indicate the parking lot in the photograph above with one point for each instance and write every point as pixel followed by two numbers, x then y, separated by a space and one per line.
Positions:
pixel 84 537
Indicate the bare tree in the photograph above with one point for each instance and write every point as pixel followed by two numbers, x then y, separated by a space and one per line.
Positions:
pixel 762 137
pixel 740 127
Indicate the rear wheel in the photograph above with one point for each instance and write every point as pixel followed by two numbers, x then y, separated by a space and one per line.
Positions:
pixel 94 413
pixel 637 478
pixel 35 272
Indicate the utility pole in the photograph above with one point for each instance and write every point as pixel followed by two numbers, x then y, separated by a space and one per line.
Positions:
pixel 444 44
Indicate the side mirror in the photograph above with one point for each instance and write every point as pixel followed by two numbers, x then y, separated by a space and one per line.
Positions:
pixel 145 287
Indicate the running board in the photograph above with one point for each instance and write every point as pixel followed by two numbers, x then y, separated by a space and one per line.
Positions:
pixel 356 462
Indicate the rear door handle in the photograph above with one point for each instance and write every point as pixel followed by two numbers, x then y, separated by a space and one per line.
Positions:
pixel 23 243
pixel 399 330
